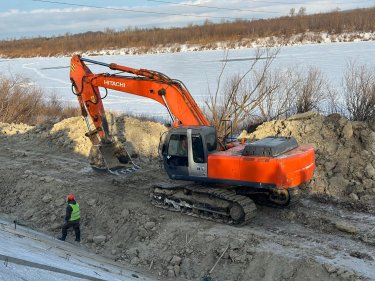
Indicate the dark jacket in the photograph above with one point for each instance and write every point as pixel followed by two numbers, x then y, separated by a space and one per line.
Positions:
pixel 69 211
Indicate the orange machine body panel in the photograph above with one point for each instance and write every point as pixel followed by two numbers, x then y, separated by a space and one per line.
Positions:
pixel 285 171
pixel 149 84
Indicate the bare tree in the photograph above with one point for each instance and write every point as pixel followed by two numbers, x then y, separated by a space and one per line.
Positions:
pixel 241 94
pixel 311 92
pixel 279 102
pixel 302 11
pixel 293 92
pixel 292 12
pixel 334 104
pixel 359 91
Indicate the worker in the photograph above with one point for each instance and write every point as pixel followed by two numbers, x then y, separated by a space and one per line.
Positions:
pixel 72 219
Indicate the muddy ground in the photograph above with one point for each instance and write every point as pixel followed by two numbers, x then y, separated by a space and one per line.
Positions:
pixel 327 233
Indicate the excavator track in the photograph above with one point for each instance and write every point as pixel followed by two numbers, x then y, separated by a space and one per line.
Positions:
pixel 119 171
pixel 220 205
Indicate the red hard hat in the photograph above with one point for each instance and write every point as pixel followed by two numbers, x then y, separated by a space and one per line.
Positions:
pixel 71 197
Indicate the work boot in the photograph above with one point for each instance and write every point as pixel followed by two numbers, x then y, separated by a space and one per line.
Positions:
pixel 61 238
pixel 77 240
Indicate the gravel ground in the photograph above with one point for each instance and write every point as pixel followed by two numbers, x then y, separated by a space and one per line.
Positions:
pixel 327 233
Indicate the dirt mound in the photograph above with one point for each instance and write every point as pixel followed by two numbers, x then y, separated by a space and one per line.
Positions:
pixel 344 153
pixel 140 137
pixel 310 240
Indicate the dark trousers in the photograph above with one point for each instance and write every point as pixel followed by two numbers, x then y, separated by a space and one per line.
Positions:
pixel 75 226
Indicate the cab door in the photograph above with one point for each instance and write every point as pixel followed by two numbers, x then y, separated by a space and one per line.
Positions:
pixel 197 155
pixel 175 155
pixel 184 155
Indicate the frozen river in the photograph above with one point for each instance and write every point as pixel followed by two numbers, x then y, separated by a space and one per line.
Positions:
pixel 198 70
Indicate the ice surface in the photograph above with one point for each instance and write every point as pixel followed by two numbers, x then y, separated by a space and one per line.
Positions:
pixel 199 71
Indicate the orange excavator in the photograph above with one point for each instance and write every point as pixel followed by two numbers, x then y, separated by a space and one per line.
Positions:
pixel 217 180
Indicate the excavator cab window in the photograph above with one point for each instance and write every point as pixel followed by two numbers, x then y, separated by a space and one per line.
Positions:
pixel 198 152
pixel 178 150
pixel 211 141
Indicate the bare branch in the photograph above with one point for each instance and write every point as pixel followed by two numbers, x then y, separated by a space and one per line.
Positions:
pixel 359 88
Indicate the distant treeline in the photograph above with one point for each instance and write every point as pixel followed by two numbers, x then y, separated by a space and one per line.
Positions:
pixel 336 22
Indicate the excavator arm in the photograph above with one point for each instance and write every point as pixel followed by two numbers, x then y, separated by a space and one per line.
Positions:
pixel 146 83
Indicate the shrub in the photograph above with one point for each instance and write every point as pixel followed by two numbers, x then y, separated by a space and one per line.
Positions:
pixel 359 90
pixel 23 102
pixel 311 91
pixel 264 94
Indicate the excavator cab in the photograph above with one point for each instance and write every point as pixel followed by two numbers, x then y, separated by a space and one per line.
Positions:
pixel 185 152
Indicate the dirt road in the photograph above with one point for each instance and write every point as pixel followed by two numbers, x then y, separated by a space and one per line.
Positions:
pixel 325 234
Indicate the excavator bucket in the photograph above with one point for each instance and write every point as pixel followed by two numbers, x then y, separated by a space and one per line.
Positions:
pixel 108 151
pixel 113 157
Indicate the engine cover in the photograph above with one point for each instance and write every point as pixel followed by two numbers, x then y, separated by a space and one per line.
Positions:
pixel 270 146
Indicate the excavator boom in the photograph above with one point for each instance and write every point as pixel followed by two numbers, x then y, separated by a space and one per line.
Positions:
pixel 150 84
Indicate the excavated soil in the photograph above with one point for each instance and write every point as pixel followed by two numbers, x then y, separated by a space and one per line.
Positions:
pixel 327 233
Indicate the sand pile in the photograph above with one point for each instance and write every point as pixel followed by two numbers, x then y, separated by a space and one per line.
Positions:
pixel 345 152
pixel 140 137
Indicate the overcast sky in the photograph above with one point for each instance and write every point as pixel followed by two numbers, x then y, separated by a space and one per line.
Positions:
pixel 30 18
